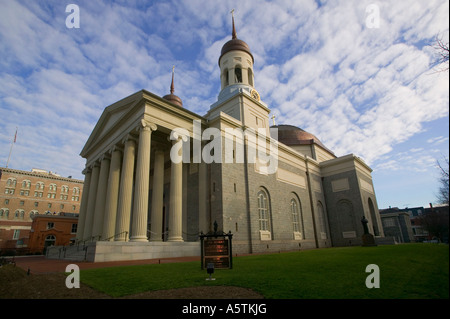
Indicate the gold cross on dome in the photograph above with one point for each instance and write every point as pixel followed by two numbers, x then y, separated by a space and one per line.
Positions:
pixel 273 119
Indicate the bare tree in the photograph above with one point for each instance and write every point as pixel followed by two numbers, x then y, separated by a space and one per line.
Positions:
pixel 435 223
pixel 442 50
pixel 443 194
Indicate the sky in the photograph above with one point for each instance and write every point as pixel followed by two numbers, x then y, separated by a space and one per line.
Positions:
pixel 362 76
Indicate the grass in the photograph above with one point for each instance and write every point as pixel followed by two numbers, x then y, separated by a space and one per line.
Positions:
pixel 406 271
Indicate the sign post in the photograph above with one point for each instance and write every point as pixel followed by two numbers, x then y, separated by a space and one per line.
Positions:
pixel 217 249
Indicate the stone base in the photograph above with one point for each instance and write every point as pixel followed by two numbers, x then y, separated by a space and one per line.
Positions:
pixel 368 240
pixel 116 251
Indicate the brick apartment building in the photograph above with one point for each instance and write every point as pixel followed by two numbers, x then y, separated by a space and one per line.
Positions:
pixel 26 194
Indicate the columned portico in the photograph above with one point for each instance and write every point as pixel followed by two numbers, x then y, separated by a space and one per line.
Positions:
pixel 116 204
pixel 135 202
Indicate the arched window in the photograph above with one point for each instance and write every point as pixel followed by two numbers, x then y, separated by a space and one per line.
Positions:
pixel 294 213
pixel 19 214
pixel 237 74
pixel 26 184
pixel 250 76
pixel 33 213
pixel 11 182
pixel 225 78
pixel 297 217
pixel 50 240
pixel 4 213
pixel 263 211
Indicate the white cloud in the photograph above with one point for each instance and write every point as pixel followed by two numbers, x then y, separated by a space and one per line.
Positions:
pixel 319 67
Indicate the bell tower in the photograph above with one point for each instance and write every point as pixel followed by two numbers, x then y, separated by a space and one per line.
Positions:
pixel 238 97
pixel 236 64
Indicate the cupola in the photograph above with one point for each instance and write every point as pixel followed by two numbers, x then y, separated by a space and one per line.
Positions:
pixel 172 97
pixel 236 62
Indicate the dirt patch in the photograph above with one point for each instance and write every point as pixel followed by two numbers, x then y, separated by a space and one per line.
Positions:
pixel 16 284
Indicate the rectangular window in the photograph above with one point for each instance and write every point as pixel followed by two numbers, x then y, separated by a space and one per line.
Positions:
pixel 74 228
pixel 50 225
pixel 16 234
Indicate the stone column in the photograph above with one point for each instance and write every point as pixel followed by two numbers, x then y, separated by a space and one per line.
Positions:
pixel 87 233
pixel 157 197
pixel 109 221
pixel 176 198
pixel 84 202
pixel 101 197
pixel 140 208
pixel 125 191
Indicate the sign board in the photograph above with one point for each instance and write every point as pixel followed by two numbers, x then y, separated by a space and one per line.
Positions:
pixel 216 249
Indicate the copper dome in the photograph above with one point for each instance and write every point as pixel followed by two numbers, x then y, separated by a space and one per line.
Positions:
pixel 291 135
pixel 173 99
pixel 235 44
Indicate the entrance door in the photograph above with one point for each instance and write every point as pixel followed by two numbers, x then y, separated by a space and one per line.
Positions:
pixel 49 241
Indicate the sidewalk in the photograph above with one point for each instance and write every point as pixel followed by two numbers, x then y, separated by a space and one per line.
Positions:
pixel 41 265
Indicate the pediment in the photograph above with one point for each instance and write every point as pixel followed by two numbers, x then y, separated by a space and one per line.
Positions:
pixel 111 118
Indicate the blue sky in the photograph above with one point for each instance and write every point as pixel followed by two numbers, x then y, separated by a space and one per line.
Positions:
pixel 375 92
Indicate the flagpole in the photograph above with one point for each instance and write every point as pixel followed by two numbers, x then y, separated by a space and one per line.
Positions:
pixel 10 150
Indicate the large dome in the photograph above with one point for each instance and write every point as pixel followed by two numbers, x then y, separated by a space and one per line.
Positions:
pixel 291 135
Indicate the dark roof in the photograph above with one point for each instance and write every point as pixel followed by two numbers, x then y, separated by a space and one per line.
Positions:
pixel 291 135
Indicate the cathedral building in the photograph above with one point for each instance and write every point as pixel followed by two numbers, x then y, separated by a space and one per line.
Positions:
pixel 158 174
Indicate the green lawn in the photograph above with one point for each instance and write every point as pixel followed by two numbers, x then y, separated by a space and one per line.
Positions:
pixel 406 271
